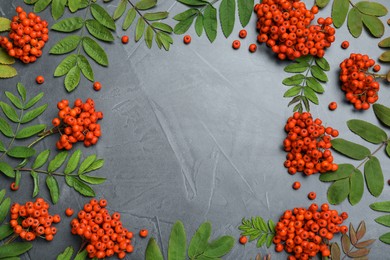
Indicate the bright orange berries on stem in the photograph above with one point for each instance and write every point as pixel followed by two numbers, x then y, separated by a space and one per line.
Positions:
pixel 284 25
pixel 78 123
pixel 308 145
pixel 33 220
pixel 27 37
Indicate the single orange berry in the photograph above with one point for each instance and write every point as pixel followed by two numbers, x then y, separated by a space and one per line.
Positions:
pixel 242 34
pixel 40 79
pixel 187 39
pixel 345 44
pixel 69 212
pixel 376 68
pixel 236 44
pixel 296 185
pixel 125 39
pixel 332 106
pixel 243 240
pixel 143 233
pixel 14 187
pixel 97 86
pixel 312 195
pixel 252 47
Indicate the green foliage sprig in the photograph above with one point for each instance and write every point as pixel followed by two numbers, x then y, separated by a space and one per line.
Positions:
pixel 385 56
pixel 383 206
pixel 348 180
pixel 9 249
pixel 257 228
pixel 68 253
pixel 307 83
pixel 199 247
pixel 351 242
pixel 362 14
pixel 205 16
pixel 58 6
pixel 6 71
pixel 149 24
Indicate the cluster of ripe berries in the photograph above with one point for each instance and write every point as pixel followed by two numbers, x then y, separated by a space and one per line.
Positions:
pixel 359 85
pixel 284 25
pixel 302 232
pixel 78 123
pixel 308 145
pixel 33 220
pixel 27 37
pixel 104 232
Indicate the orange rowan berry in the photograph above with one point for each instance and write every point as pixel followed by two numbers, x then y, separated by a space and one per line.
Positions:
pixel 187 39
pixel 252 47
pixel 345 44
pixel 143 233
pixel 97 86
pixel 40 79
pixel 236 44
pixel 332 106
pixel 242 34
pixel 125 39
pixel 312 195
pixel 296 185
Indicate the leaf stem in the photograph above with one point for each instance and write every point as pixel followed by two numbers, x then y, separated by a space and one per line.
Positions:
pixel 16 132
pixel 44 172
pixel 372 154
pixel 143 18
pixel 352 4
pixel 43 135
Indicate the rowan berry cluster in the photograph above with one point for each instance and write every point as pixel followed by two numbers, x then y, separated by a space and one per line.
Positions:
pixel 302 232
pixel 284 25
pixel 308 145
pixel 359 85
pixel 104 232
pixel 27 37
pixel 78 123
pixel 33 220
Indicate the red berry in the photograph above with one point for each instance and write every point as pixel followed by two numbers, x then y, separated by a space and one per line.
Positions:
pixel 242 34
pixel 125 39
pixel 296 185
pixel 345 44
pixel 40 79
pixel 236 44
pixel 252 47
pixel 97 86
pixel 332 106
pixel 376 68
pixel 187 39
pixel 312 195
pixel 143 233
pixel 243 240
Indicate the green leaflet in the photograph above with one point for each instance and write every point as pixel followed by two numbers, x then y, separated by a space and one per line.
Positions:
pixel 311 95
pixel 367 131
pixel 199 241
pixel 86 163
pixel 21 91
pixel 5 231
pixel 81 255
pixel 383 206
pixel 383 220
pixel 101 15
pixel 339 12
pixel 129 18
pixel 58 160
pixel 156 16
pixel 374 25
pixel 7 170
pixel 66 45
pixel 186 14
pixel 41 5
pixel 382 113
pixel 69 24
pixel 93 49
pixel 30 131
pixel 9 112
pixel 120 10
pixel 297 67
pixel 227 15
pixel 385 238
pixel 72 79
pixel 4 57
pixel 4 208
pixel 162 26
pixel 338 191
pixel 73 162
pixel 5 128
pixel 193 2
pixel 291 92
pixel 314 85
pixel 199 25
pixel 350 149
pixel 14 249
pixel 81 187
pixel 92 179
pixel 58 8
pixel 67 254
pixel 177 242
pixel 21 152
pixel 355 22
pixel 210 22
pixel 293 80
pixel 95 166
pixel 318 73
pixel 7 71
pixel 387 149
pixel 322 3
pixel 322 63
pixel 14 100
pixel 85 67
pixel 257 228
pixel 5 24
pixel 149 36
pixel 140 28
pixel 35 178
pixel 99 31
pixel 34 100
pixel 385 43
pixel 183 26
pixel 153 251
pixel 374 176
pixel 219 247
pixel 371 8
pixel 357 187
pixel 54 190
pixel 145 4
pixel 245 10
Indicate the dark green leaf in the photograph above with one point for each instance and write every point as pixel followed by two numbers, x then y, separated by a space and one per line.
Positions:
pixel 34 100
pixel 318 73
pixel 72 79
pixel 30 2
pixel 219 247
pixel 177 242
pixel 29 131
pixel 52 185
pixel 355 22
pixel 374 176
pixel 383 206
pixel 322 3
pixel 94 51
pixel 67 254
pixel 101 15
pixel 92 180
pixel 245 10
pixel 9 112
pixel 81 255
pixel 140 28
pixel 350 149
pixel 4 209
pixel 199 25
pixel 385 238
pixel 58 8
pixel 343 171
pixel 297 67
pixel 162 26
pixel 5 231
pixel 311 95
pixel 85 67
pixel 338 191
pixel 82 188
pixel 130 16
pixel 2 147
pixel 58 160
pixel 153 252
pixel 14 100
pixel 306 103
pixel 227 15
pixel 371 8
pixel 7 170
pixel 314 85
pixel 99 31
pixel 95 166
pixel 385 43
pixel 35 177
pixel 21 152
pixel 388 149
pixel 374 25
pixel 41 159
pixel 146 4
pixel 322 63
pixel 2 194
pixel 120 9
pixel 5 128
pixel 382 113
pixel 66 45
pixel 69 24
pixel 65 65
pixel 73 162
pixel 186 14
pixel 14 249
pixel 21 91
pixel 31 115
pixel 183 26
pixel 75 5
pixel 291 92
pixel 367 131
pixel 339 12
pixel 149 36
pixel 86 163
pixel 193 2
pixel 41 5
pixel 156 16
pixel 293 80
pixel 199 241
pixel 357 187
pixel 210 22
pixel 383 220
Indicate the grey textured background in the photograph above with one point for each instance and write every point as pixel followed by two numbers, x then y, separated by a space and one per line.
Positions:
pixel 194 134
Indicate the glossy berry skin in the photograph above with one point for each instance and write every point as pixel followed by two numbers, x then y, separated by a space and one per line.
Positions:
pixel 376 68
pixel 242 34
pixel 40 79
pixel 143 233
pixel 187 39
pixel 296 185
pixel 13 187
pixel 236 44
pixel 97 86
pixel 312 195
pixel 69 212
pixel 252 48
pixel 332 106
pixel 125 39
pixel 345 44
pixel 243 240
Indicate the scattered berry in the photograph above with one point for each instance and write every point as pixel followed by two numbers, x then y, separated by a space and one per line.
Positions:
pixel 312 195
pixel 296 185
pixel 243 240
pixel 143 233
pixel 97 86
pixel 376 68
pixel 69 212
pixel 332 106
pixel 40 79
pixel 345 44
pixel 252 47
pixel 125 39
pixel 242 34
pixel 236 44
pixel 187 39
pixel 13 187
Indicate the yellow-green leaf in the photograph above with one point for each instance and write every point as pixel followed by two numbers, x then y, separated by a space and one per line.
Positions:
pixel 322 3
pixel 101 15
pixel 5 24
pixel 7 71
pixel 385 56
pixel 5 58
pixel 21 152
pixel 149 36
pixel 58 8
pixel 130 16
pixel 7 170
pixel 30 131
pixel 145 4
pixel 65 65
pixel 32 114
pixel 374 176
pixel 385 238
pixel 120 10
pixel 383 220
pixel 99 31
pixel 41 5
pixel 156 16
pixel 93 49
pixel 41 159
pixel 383 206
pixel 385 43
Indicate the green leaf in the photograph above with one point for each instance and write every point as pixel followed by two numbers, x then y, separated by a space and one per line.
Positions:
pixel 130 16
pixel 21 91
pixel 219 247
pixel 94 51
pixel 338 191
pixel 2 194
pixel 21 152
pixel 350 149
pixel 75 5
pixel 269 241
pixel 58 160
pixel 7 169
pixel 7 71
pixel 86 163
pixel 5 231
pixel 374 25
pixel 73 162
pixel 69 24
pixel 95 166
pixel 5 128
pixel 383 206
pixel 371 8
pixel 41 5
pixel 81 255
pixel 140 28
pixel 101 15
pixel 5 24
pixel 339 12
pixel 52 185
pixel 245 10
pixel 314 85
pixel 355 22
pixel 66 45
pixel 35 177
pixel 99 31
pixel 293 80
pixel 322 63
pixel 357 187
pixel 186 14
pixel 177 242
pixel 227 15
pixel 385 238
pixel 199 241
pixel 322 3
pixel 149 36
pixel 165 39
pixel 343 171
pixel 162 26
pixel 383 220
pixel 193 2
pixel 14 100
pixel 30 2
pixel 146 4
pixel 306 103
pixel 156 16
pixel 58 8
pixel 297 67
pixel 367 131
pixel 385 43
pixel 92 180
pixel 4 209
pixel 67 254
pixel 291 92
pixel 4 57
pixel 318 73
pixel 14 249
pixel 2 147
pixel 85 67
pixel 72 79
pixel 210 22
pixel 9 112
pixel 29 131
pixel 153 251
pixel 382 113
pixel 374 176
pixel 82 188
pixel 261 240
pixel 311 95
pixel 31 115
pixel 388 149
pixel 183 26
pixel 34 100
pixel 199 25
pixel 120 10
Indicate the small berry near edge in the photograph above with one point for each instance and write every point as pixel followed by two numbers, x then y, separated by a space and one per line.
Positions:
pixel 332 106
pixel 345 44
pixel 125 39
pixel 312 195
pixel 187 39
pixel 143 233
pixel 243 240
pixel 97 86
pixel 40 79
pixel 236 44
